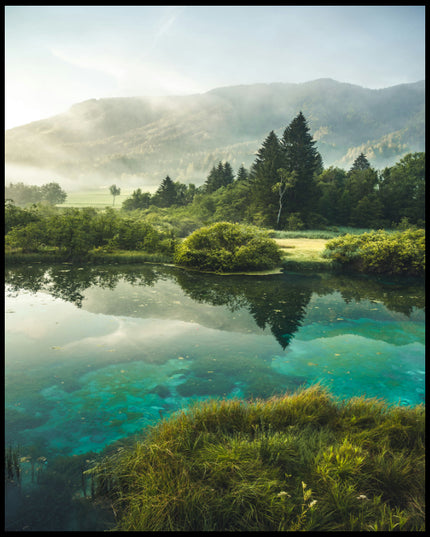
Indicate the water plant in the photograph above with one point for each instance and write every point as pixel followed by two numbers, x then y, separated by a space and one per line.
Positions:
pixel 301 461
pixel 12 464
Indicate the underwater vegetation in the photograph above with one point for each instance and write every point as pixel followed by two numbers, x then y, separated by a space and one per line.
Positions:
pixel 33 483
pixel 303 461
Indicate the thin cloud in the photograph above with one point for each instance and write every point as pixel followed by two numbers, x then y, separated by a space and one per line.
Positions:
pixel 132 74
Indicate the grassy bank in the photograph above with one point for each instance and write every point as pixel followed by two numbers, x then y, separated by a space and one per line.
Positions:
pixel 93 257
pixel 298 254
pixel 300 462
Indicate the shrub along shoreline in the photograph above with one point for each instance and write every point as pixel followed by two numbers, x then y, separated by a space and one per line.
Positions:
pixel 43 234
pixel 380 252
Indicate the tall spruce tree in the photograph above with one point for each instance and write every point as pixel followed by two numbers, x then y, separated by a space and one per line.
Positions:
pixel 360 163
pixel 242 174
pixel 221 175
pixel 165 195
pixel 264 177
pixel 211 183
pixel 228 175
pixel 304 160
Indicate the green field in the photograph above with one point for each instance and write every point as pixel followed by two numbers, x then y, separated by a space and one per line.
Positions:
pixel 100 197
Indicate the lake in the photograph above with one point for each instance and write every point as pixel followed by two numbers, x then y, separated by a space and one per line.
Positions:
pixel 95 355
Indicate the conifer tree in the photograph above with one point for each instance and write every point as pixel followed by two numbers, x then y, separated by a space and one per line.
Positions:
pixel 228 175
pixel 264 177
pixel 166 193
pixel 242 174
pixel 219 176
pixel 302 159
pixel 360 163
pixel 211 181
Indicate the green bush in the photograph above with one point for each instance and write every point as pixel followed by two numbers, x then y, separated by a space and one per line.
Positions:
pixel 401 252
pixel 226 247
pixel 75 232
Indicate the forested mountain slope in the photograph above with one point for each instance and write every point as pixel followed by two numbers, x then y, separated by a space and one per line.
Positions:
pixel 138 140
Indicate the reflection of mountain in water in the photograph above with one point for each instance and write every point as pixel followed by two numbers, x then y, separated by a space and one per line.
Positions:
pixel 278 302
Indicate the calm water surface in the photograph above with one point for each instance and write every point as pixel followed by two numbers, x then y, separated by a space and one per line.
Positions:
pixel 94 355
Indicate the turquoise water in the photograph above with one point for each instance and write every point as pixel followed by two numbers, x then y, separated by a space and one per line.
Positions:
pixel 94 355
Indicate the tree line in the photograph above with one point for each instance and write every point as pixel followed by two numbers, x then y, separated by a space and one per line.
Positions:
pixel 22 194
pixel 287 187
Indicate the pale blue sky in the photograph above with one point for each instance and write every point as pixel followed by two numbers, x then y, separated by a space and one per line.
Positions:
pixel 56 56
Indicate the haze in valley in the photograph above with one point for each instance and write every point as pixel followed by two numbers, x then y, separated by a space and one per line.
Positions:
pixel 134 93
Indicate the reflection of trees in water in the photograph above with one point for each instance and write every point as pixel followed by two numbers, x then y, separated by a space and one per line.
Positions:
pixel 399 294
pixel 276 301
pixel 70 283
pixel 271 303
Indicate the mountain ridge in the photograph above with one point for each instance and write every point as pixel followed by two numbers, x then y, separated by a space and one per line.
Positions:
pixel 137 141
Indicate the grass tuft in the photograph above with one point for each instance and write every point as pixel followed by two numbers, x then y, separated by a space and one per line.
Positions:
pixel 298 462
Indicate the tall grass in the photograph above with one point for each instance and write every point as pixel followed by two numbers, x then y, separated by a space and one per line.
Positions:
pixel 297 462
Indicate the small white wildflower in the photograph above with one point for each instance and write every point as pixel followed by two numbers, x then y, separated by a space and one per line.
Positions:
pixel 313 502
pixel 362 497
pixel 283 493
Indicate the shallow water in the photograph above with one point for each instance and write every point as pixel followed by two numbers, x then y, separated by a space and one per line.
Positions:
pixel 96 354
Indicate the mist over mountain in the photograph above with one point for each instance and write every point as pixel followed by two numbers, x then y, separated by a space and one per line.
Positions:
pixel 137 141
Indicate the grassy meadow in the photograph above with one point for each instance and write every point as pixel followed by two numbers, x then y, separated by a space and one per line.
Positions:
pixel 306 252
pixel 98 198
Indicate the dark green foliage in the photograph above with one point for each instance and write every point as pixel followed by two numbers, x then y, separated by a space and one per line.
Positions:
pixel 242 174
pixel 287 188
pixel 226 247
pixel 168 194
pixel 330 184
pixel 302 159
pixel 138 200
pixel 402 252
pixel 264 176
pixel 402 190
pixel 219 176
pixel 295 462
pixel 233 203
pixel 360 163
pixel 359 184
pixel 165 195
pixel 283 175
pixel 16 216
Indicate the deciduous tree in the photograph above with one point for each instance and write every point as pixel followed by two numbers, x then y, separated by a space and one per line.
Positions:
pixel 115 191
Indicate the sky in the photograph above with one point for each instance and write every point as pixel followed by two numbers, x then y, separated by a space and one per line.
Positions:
pixel 56 56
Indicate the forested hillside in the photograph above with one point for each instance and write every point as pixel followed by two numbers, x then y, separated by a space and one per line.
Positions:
pixel 137 141
pixel 287 187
